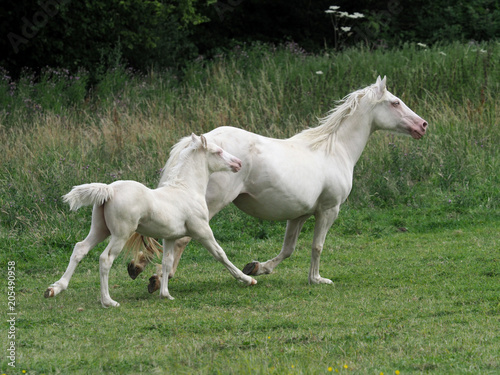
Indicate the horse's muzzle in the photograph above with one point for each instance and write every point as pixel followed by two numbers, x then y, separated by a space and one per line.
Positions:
pixel 235 165
pixel 419 130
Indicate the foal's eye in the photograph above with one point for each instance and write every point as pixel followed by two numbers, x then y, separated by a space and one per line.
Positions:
pixel 396 103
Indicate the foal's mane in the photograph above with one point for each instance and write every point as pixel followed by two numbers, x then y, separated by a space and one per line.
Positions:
pixel 170 171
pixel 323 136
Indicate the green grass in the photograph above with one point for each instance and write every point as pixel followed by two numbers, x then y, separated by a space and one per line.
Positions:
pixel 413 255
pixel 416 301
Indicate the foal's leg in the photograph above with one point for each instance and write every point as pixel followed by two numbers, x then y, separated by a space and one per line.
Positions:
pixel 215 204
pixel 177 250
pixel 207 239
pixel 167 264
pixel 98 233
pixel 106 259
pixel 324 221
pixel 293 228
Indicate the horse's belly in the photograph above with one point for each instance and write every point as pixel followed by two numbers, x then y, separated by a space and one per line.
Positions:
pixel 273 208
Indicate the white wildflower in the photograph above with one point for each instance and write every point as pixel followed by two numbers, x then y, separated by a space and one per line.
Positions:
pixel 355 15
pixel 442 53
pixel 422 45
pixel 334 7
pixel 345 29
pixel 483 51
pixel 329 11
pixel 319 72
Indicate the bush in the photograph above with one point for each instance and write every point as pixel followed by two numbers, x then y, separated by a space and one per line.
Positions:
pixel 84 34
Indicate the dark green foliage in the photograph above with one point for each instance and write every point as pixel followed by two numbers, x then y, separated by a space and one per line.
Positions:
pixel 93 34
pixel 97 35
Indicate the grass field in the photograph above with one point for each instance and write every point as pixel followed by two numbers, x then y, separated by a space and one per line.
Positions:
pixel 414 255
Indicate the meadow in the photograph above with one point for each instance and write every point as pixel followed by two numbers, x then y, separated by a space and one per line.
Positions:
pixel 414 254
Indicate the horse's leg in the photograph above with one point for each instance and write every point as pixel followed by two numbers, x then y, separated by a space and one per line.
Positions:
pixel 167 264
pixel 98 233
pixel 206 237
pixel 293 228
pixel 177 249
pixel 324 221
pixel 215 204
pixel 106 259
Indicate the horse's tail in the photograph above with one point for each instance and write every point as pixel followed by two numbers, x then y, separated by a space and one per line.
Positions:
pixel 143 249
pixel 88 194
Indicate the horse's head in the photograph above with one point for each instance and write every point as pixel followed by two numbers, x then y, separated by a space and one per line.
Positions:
pixel 390 113
pixel 218 159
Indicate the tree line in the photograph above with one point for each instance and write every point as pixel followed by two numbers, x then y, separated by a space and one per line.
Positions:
pixel 98 34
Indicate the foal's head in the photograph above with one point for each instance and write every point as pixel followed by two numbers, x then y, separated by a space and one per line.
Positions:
pixel 390 113
pixel 217 158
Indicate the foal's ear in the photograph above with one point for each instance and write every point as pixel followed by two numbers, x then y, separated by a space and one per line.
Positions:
pixel 381 86
pixel 203 141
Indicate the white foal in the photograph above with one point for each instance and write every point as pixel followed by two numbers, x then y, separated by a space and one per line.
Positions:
pixel 175 209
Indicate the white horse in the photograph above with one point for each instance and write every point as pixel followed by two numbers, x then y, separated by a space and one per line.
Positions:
pixel 308 174
pixel 177 208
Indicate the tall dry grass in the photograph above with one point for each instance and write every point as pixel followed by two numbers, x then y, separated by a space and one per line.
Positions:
pixel 55 134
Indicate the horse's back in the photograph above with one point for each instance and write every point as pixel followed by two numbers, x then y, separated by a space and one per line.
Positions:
pixel 279 179
pixel 131 200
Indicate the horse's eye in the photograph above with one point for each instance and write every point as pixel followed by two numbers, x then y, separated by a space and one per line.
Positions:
pixel 396 103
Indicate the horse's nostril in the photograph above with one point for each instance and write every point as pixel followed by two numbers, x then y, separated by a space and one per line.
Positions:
pixel 424 124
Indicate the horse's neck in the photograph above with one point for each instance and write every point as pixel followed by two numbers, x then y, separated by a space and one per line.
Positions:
pixel 352 137
pixel 192 173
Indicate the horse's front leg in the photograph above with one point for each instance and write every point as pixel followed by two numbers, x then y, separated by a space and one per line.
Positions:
pixel 324 221
pixel 293 228
pixel 167 264
pixel 206 237
pixel 179 246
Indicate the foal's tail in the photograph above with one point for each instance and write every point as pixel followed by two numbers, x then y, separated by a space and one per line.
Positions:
pixel 87 195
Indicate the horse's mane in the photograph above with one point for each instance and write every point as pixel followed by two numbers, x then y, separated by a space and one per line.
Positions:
pixel 170 171
pixel 323 136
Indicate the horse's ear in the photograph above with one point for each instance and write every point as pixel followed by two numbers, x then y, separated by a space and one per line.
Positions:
pixel 381 86
pixel 203 141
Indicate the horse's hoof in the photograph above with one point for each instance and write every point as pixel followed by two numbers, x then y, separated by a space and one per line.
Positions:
pixel 49 293
pixel 154 284
pixel 133 270
pixel 253 282
pixel 110 303
pixel 251 268
pixel 168 296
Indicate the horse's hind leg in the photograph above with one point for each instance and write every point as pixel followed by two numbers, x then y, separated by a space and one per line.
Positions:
pixel 98 233
pixel 293 228
pixel 106 260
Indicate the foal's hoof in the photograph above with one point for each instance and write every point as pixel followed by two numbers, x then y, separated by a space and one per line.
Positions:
pixel 49 293
pixel 251 268
pixel 134 270
pixel 154 284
